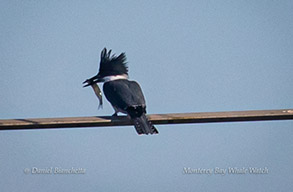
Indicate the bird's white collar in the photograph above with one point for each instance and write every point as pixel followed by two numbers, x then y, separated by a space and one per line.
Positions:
pixel 114 77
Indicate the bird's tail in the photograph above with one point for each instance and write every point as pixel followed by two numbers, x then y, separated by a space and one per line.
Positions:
pixel 140 120
pixel 143 125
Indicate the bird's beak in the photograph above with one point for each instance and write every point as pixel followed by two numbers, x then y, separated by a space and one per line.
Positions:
pixel 93 80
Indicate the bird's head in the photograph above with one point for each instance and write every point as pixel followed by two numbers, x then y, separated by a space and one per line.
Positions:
pixel 111 68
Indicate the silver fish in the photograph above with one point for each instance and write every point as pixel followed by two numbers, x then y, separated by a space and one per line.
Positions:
pixel 98 93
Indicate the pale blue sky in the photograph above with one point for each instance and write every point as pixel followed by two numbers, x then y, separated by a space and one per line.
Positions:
pixel 188 56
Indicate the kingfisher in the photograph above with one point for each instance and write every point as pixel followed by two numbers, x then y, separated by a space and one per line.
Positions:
pixel 125 96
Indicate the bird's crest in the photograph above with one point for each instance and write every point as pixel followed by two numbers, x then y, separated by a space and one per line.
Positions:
pixel 111 64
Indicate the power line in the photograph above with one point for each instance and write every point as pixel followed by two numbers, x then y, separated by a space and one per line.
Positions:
pixel 171 118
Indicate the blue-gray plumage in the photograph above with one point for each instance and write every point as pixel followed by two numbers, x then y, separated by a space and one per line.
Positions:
pixel 123 93
pixel 125 96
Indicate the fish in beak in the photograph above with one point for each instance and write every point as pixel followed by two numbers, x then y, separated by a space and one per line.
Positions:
pixel 93 82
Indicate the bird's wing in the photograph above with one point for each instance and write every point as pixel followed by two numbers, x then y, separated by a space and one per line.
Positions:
pixel 137 93
pixel 123 93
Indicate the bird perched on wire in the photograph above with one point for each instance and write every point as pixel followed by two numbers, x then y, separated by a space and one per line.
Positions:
pixel 124 95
